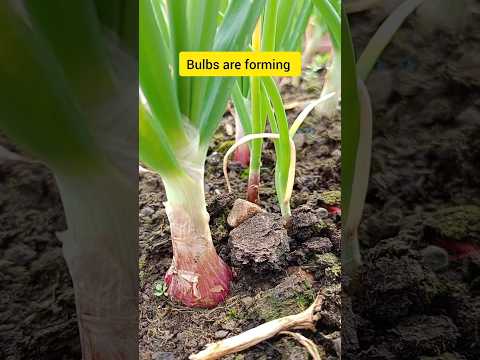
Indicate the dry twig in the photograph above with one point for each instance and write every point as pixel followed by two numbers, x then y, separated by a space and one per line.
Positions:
pixel 304 320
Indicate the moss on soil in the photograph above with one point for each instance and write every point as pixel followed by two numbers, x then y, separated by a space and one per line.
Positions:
pixel 330 197
pixel 459 223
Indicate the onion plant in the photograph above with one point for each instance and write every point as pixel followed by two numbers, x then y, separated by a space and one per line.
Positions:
pixel 289 25
pixel 357 119
pixel 59 103
pixel 178 118
pixel 259 99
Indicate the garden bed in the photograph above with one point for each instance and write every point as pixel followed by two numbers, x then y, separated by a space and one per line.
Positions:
pixel 169 330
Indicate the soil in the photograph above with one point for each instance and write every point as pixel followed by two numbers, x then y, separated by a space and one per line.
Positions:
pixel 305 263
pixel 37 308
pixel 418 291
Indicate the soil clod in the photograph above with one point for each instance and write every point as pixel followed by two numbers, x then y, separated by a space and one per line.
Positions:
pixel 259 243
pixel 305 224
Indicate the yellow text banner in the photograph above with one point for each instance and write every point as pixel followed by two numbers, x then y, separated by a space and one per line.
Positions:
pixel 240 63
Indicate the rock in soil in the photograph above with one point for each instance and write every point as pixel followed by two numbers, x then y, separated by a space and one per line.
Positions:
pixel 436 258
pixel 260 244
pixel 220 334
pixel 242 210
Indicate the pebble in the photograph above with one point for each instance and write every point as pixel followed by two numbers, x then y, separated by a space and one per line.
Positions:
pixel 322 213
pixel 220 334
pixel 242 210
pixel 435 257
pixel 147 211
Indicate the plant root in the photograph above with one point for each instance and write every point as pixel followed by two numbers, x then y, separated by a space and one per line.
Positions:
pixel 304 320
pixel 306 343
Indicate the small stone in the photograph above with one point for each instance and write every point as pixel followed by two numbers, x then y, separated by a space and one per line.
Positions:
pixel 322 213
pixel 435 257
pixel 147 211
pixel 220 334
pixel 241 211
pixel 259 243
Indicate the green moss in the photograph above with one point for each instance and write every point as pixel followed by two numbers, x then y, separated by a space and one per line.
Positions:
pixel 320 226
pixel 291 296
pixel 335 271
pixel 244 174
pixel 232 313
pixel 459 223
pixel 141 262
pixel 328 260
pixel 331 263
pixel 330 197
pixel 304 299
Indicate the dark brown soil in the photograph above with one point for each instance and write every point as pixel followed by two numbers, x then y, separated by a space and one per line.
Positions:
pixel 37 309
pixel 311 265
pixel 418 295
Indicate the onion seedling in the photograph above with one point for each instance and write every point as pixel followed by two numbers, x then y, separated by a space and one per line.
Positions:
pixel 357 119
pixel 279 31
pixel 178 118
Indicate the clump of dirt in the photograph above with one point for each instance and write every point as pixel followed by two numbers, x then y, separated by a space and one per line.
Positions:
pixel 394 281
pixel 305 224
pixel 259 243
pixel 423 335
pixel 37 307
pixel 169 330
